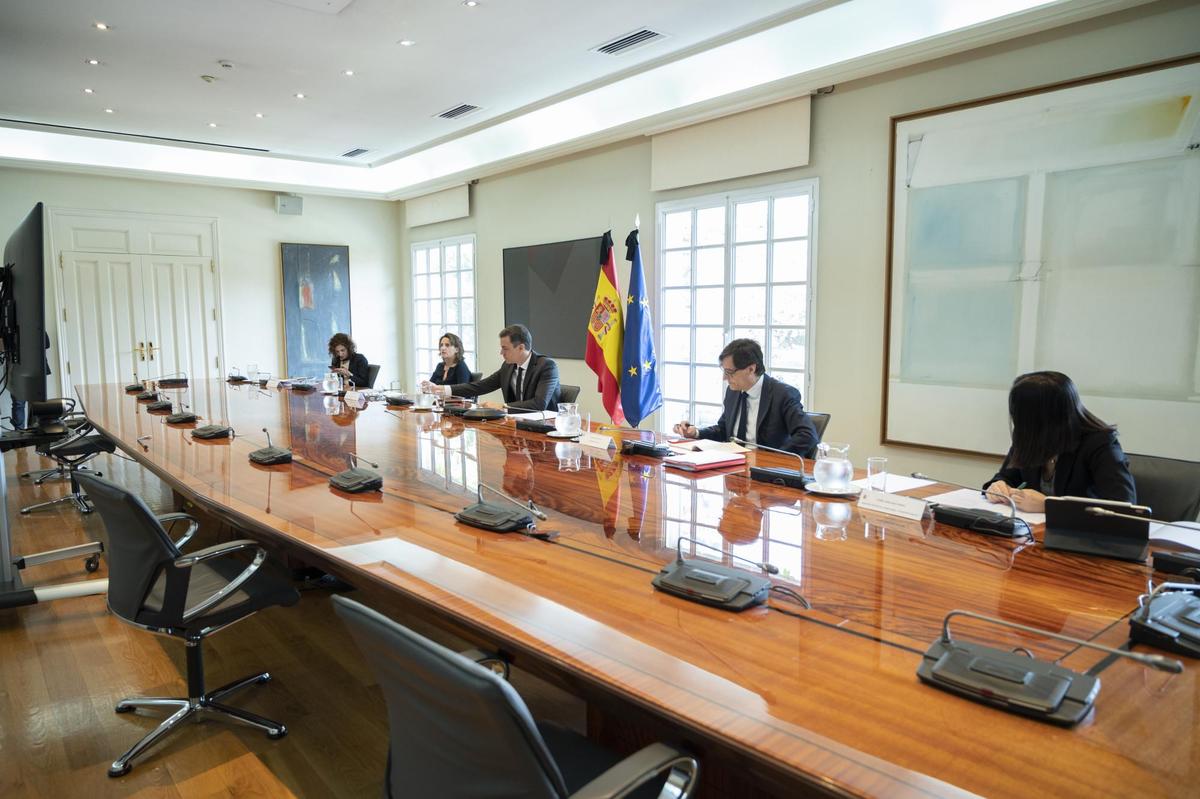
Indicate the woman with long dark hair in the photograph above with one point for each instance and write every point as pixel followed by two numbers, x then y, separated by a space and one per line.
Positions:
pixel 1059 448
pixel 452 370
pixel 347 361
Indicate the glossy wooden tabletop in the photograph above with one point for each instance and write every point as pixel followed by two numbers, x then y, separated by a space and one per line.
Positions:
pixel 828 697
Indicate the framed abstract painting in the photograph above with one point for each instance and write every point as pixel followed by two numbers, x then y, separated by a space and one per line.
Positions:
pixel 316 304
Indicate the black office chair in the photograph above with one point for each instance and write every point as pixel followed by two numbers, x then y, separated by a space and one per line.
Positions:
pixel 820 421
pixel 155 586
pixel 1171 487
pixel 70 453
pixel 567 393
pixel 372 374
pixel 459 730
pixel 476 376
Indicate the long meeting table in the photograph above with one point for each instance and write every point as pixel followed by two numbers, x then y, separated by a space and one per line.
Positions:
pixel 799 701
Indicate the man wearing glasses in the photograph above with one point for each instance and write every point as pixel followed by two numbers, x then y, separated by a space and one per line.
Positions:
pixel 758 408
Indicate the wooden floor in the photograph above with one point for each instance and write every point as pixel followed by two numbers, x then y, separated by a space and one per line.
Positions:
pixel 64 665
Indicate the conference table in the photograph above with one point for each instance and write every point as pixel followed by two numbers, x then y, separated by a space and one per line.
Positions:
pixel 798 701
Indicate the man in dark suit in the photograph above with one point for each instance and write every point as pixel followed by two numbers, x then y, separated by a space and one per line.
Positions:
pixel 758 408
pixel 526 380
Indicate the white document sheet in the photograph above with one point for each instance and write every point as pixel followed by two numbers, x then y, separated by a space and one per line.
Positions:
pixel 970 498
pixel 1190 538
pixel 386 549
pixel 707 445
pixel 896 483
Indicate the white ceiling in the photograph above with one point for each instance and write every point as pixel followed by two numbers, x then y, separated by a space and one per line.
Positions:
pixel 528 64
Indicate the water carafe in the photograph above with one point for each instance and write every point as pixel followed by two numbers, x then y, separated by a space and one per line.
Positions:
pixel 567 420
pixel 833 470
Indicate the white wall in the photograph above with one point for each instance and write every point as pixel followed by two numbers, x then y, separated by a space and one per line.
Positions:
pixel 586 194
pixel 249 235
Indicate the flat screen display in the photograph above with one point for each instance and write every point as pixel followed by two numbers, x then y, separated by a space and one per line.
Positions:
pixel 549 288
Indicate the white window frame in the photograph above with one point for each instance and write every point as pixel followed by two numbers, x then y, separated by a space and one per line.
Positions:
pixel 421 369
pixel 730 200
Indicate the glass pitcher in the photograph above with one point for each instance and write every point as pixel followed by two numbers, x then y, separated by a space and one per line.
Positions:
pixel 331 383
pixel 833 470
pixel 567 420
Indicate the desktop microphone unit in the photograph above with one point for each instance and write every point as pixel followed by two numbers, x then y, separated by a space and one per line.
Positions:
pixel 357 480
pixel 713 583
pixel 212 431
pixel 396 399
pixel 774 474
pixel 533 425
pixel 1169 619
pixel 175 380
pixel 182 416
pixel 160 405
pixel 134 386
pixel 1019 683
pixel 147 396
pixel 976 520
pixel 647 449
pixel 236 376
pixel 484 414
pixel 500 519
pixel 270 454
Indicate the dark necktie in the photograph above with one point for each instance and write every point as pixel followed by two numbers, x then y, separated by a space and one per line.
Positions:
pixel 743 412
pixel 517 383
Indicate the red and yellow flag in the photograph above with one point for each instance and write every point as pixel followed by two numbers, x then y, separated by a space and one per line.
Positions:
pixel 606 330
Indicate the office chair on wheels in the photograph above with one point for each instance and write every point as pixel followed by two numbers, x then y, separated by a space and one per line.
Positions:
pixel 71 453
pixel 153 585
pixel 458 730
pixel 1170 486
pixel 567 393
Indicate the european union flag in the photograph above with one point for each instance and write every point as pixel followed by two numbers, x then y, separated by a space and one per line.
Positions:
pixel 640 393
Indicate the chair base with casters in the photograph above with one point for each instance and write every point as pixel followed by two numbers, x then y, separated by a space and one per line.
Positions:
pixel 198 704
pixel 153 585
pixel 72 453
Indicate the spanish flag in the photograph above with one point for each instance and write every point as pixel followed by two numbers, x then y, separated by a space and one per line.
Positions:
pixel 606 330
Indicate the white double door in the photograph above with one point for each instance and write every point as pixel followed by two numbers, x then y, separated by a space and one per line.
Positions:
pixel 127 316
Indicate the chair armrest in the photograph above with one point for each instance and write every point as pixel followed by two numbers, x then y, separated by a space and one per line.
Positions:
pixel 218 551
pixel 168 520
pixel 75 434
pixel 639 768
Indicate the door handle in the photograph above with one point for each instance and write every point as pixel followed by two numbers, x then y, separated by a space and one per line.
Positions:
pixel 151 349
pixel 141 351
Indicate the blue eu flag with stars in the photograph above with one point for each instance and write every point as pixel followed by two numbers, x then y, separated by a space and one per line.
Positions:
pixel 640 393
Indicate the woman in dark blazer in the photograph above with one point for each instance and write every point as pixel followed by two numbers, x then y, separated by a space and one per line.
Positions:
pixel 451 371
pixel 1059 448
pixel 347 361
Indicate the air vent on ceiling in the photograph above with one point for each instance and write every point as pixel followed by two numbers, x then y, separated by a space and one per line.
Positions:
pixel 623 44
pixel 355 153
pixel 458 111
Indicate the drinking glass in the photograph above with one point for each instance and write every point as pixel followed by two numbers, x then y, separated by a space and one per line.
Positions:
pixel 877 474
pixel 252 372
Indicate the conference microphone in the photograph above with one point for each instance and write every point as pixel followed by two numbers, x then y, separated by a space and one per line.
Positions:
pixel 540 425
pixel 526 506
pixel 1095 511
pixel 1167 619
pixel 357 480
pixel 173 380
pixel 974 519
pixel 136 385
pixel 767 567
pixel 1164 561
pixel 270 454
pixel 774 474
pixel 649 449
pixel 182 416
pixel 1020 683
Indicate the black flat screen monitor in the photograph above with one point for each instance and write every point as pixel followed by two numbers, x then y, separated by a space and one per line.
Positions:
pixel 22 309
pixel 550 289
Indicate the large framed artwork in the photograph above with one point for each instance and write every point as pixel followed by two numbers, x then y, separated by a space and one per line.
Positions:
pixel 316 304
pixel 1055 229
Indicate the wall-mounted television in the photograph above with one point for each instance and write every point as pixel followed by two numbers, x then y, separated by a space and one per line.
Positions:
pixel 549 288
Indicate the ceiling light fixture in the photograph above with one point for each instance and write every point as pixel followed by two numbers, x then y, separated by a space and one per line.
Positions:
pixel 93 62
pixel 100 26
pixel 108 111
pixel 88 91
pixel 406 42
pixel 349 73
pixel 470 3
pixel 259 115
pixel 299 95
pixel 212 124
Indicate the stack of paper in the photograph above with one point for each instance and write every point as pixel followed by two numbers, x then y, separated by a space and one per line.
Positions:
pixel 895 482
pixel 1190 538
pixel 701 461
pixel 707 445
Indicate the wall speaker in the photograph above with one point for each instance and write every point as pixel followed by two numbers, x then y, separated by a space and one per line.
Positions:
pixel 289 204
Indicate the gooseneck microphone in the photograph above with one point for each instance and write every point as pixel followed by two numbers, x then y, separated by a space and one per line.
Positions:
pixel 767 567
pixel 356 479
pixel 775 474
pixel 350 456
pixel 1019 682
pixel 1095 511
pixel 173 380
pixel 528 506
pixel 976 520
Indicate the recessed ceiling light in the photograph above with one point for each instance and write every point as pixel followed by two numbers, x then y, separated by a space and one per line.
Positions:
pixel 108 111
pixel 299 95
pixel 349 73
pixel 88 91
pixel 100 26
pixel 470 3
pixel 406 42
pixel 212 124
pixel 93 62
pixel 259 115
